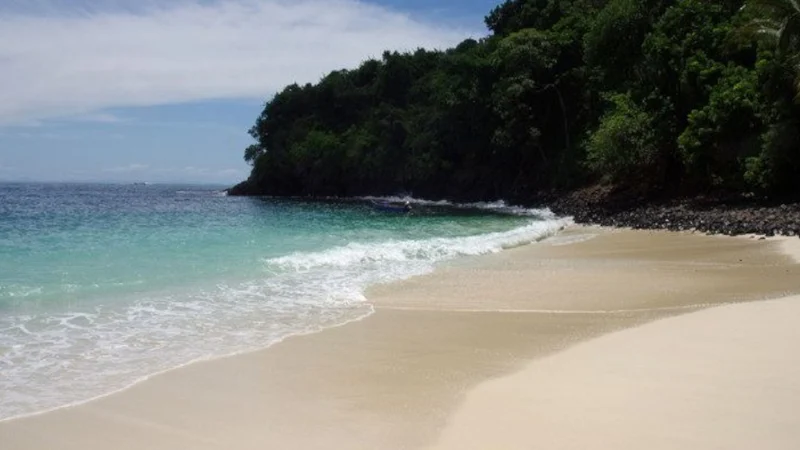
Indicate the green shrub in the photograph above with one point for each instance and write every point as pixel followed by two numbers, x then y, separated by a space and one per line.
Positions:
pixel 624 146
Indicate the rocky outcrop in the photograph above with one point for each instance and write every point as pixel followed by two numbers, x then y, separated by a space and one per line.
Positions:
pixel 716 215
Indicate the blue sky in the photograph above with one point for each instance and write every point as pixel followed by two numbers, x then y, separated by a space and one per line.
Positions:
pixel 165 91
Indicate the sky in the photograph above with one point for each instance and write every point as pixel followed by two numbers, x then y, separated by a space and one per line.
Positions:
pixel 165 90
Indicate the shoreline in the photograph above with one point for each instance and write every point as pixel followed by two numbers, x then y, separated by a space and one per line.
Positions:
pixel 202 360
pixel 499 346
pixel 600 205
pixel 362 310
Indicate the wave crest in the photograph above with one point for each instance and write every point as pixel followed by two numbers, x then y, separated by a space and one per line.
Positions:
pixel 431 250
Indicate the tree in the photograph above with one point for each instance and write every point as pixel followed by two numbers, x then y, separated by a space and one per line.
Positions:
pixel 636 92
pixel 778 19
pixel 252 153
pixel 722 134
pixel 624 147
pixel 779 22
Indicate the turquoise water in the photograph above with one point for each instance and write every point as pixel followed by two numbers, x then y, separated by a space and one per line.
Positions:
pixel 104 285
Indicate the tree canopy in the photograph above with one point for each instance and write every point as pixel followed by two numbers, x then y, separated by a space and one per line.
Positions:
pixel 663 95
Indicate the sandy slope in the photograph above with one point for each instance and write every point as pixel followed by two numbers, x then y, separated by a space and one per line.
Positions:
pixel 722 378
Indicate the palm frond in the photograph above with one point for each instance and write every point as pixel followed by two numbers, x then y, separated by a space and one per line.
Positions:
pixel 789 33
pixel 797 86
pixel 760 28
pixel 775 8
pixel 779 20
pixel 757 25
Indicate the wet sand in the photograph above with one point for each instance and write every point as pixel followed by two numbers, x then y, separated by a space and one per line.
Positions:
pixel 423 371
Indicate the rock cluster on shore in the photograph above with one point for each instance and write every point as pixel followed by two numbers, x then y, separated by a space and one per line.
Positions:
pixel 717 216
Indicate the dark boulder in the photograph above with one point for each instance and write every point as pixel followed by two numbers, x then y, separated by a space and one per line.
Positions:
pixel 245 188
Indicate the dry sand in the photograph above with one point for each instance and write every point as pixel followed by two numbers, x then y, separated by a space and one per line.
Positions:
pixel 505 351
pixel 723 378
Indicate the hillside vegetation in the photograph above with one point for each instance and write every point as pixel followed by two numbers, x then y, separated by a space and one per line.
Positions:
pixel 665 97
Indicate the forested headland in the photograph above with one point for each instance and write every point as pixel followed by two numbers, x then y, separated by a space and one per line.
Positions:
pixel 664 98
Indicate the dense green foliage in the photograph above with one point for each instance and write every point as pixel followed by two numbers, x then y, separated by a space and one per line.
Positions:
pixel 675 96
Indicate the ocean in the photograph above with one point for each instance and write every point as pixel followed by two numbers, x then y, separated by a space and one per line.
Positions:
pixel 102 286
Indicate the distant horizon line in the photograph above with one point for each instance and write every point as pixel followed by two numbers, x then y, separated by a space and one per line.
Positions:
pixel 117 182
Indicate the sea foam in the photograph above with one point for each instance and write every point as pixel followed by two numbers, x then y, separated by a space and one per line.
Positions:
pixel 425 250
pixel 53 359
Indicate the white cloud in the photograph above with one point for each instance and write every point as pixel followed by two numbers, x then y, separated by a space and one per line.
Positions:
pixel 129 168
pixel 231 173
pixel 75 63
pixel 194 170
pixel 172 174
pixel 99 117
pixel 198 171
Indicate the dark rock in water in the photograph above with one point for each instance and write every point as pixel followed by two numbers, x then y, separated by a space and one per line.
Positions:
pixel 602 205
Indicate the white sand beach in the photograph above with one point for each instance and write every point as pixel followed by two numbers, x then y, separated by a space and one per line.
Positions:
pixel 606 339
